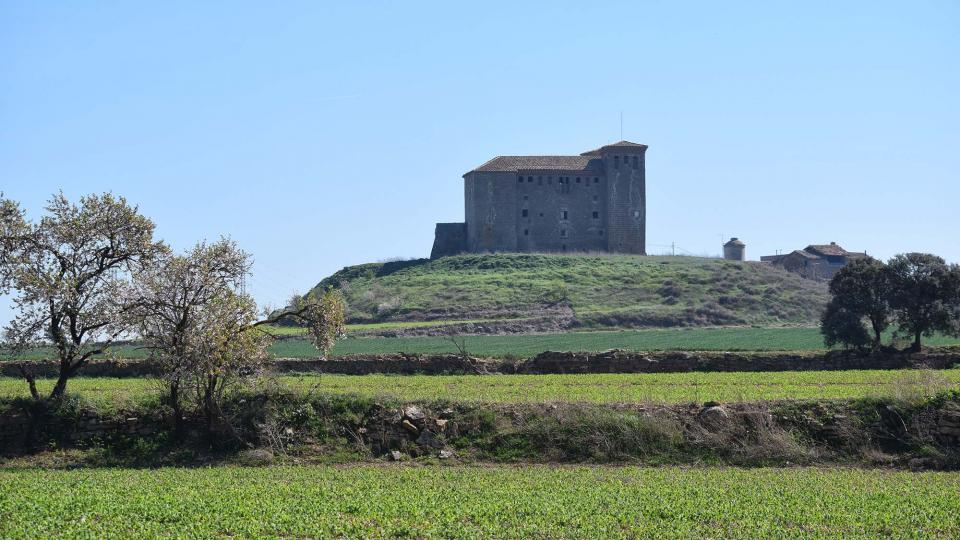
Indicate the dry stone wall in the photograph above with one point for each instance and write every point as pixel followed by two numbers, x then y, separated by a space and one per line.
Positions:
pixel 614 361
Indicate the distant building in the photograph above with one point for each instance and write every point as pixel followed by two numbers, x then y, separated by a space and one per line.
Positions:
pixel 734 250
pixel 815 261
pixel 592 202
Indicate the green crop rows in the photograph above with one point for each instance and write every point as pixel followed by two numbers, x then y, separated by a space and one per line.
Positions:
pixel 499 346
pixel 477 502
pixel 699 339
pixel 593 388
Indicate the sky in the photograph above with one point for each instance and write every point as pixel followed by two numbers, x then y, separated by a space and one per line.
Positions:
pixel 320 135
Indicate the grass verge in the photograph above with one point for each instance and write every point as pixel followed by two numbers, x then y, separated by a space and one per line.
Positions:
pixel 592 388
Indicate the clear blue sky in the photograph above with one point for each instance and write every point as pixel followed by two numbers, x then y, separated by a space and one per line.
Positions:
pixel 321 135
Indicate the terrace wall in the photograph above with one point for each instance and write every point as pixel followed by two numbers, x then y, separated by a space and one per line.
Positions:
pixel 547 363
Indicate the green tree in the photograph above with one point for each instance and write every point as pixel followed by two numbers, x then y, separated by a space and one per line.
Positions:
pixel 921 295
pixel 861 290
pixel 842 326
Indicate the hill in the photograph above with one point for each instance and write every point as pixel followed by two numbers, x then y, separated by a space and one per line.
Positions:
pixel 520 292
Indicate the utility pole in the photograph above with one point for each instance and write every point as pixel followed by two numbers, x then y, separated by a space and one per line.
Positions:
pixel 673 249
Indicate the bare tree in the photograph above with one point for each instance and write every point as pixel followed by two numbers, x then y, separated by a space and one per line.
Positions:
pixel 174 305
pixel 71 273
pixel 324 316
pixel 202 327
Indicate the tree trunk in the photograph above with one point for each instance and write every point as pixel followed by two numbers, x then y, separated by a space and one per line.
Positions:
pixel 916 341
pixel 31 382
pixel 60 388
pixel 174 398
pixel 877 334
pixel 208 404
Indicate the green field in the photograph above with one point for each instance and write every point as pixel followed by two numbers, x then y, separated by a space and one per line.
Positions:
pixel 527 345
pixel 593 388
pixel 690 339
pixel 601 290
pixel 477 502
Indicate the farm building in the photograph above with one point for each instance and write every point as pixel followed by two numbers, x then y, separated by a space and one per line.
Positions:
pixel 592 202
pixel 815 261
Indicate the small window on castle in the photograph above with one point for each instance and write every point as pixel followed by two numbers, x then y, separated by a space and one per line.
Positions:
pixel 539 180
pixel 596 179
pixel 601 232
pixel 563 214
pixel 529 179
pixel 596 215
pixel 563 233
pixel 594 197
pixel 578 179
pixel 523 213
pixel 526 232
pixel 520 180
pixel 541 214
pixel 634 162
pixel 616 162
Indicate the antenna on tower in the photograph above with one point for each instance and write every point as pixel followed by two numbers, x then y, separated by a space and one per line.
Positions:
pixel 621 125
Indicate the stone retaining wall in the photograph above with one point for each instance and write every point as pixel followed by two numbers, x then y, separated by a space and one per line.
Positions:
pixel 21 428
pixel 546 363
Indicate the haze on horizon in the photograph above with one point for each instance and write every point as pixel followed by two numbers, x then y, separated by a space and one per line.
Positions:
pixel 321 136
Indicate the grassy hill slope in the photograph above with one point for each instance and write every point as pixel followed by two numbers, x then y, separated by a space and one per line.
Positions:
pixel 579 290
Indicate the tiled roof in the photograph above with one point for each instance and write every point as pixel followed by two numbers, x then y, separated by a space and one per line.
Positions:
pixel 826 250
pixel 621 144
pixel 804 254
pixel 583 162
pixel 529 163
pixel 735 242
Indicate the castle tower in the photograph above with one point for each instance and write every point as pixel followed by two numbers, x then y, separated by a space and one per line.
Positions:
pixel 626 217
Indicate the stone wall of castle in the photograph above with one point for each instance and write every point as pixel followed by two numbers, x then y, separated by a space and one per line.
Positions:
pixel 598 205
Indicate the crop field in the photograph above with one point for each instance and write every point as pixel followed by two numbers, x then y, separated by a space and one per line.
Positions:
pixel 526 345
pixel 591 388
pixel 477 502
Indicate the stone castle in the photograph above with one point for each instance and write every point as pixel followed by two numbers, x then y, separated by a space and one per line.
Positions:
pixel 592 202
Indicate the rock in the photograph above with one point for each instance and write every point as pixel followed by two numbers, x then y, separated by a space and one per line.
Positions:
pixel 714 414
pixel 442 424
pixel 255 457
pixel 396 455
pixel 445 454
pixel 408 425
pixel 413 413
pixel 288 432
pixel 427 438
